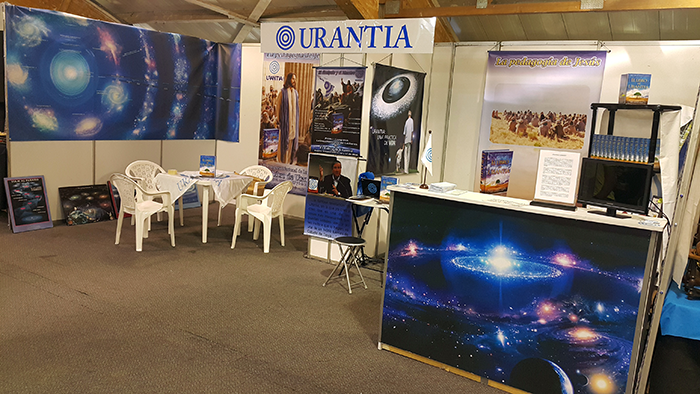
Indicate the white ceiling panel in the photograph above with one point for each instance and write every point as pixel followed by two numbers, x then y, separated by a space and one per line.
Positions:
pixel 542 27
pixel 468 28
pixel 502 27
pixel 637 25
pixel 587 26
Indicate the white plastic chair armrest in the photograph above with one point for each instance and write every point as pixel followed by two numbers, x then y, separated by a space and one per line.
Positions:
pixel 165 195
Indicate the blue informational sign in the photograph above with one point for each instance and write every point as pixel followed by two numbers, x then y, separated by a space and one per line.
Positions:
pixel 327 217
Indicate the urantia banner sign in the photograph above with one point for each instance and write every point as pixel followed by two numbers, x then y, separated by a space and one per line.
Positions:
pixel 378 36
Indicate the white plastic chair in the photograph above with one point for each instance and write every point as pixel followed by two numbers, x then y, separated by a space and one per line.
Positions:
pixel 141 205
pixel 260 172
pixel 272 206
pixel 144 172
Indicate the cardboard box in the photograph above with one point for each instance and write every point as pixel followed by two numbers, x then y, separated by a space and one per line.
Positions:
pixel 634 89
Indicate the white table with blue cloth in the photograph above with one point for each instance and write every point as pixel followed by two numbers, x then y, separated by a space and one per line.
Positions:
pixel 227 187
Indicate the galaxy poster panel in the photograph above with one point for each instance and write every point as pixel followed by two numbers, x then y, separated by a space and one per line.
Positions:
pixel 539 303
pixel 395 93
pixel 229 103
pixel 338 110
pixel 71 78
pixel 285 142
pixel 27 204
pixel 538 99
pixel 86 204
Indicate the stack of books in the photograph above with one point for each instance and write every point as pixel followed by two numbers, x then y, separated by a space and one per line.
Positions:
pixel 615 147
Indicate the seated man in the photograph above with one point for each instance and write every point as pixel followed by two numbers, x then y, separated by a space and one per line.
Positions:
pixel 335 183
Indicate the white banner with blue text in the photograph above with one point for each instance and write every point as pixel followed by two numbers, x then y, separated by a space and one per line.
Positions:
pixel 414 35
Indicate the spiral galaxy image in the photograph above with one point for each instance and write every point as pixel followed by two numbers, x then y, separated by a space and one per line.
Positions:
pixel 543 304
pixel 71 78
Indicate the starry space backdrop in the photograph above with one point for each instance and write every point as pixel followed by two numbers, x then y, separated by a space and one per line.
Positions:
pixel 540 303
pixel 72 78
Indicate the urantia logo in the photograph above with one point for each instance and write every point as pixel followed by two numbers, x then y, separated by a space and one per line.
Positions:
pixel 285 38
pixel 274 67
pixel 371 36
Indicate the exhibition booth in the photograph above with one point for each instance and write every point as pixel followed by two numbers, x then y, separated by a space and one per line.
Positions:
pixel 504 290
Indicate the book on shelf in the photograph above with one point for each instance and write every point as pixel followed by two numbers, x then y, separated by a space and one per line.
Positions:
pixel 495 171
pixel 615 147
pixel 634 89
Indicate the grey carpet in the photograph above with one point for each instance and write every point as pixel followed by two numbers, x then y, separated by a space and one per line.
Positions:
pixel 79 314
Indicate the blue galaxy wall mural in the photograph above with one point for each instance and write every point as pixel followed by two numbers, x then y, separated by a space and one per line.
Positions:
pixel 72 78
pixel 543 304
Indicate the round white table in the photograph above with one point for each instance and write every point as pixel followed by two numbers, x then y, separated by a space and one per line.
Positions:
pixel 227 187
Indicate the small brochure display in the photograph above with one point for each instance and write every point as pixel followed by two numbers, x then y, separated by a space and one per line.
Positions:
pixel 557 176
pixel 207 165
pixel 634 89
pixel 387 181
pixel 86 204
pixel 495 171
pixel 27 204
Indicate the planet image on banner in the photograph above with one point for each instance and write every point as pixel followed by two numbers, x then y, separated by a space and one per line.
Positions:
pixel 69 72
pixel 16 75
pixel 88 127
pixel 394 96
pixel 537 375
pixel 31 31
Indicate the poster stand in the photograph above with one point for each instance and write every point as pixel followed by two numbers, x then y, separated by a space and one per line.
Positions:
pixel 27 203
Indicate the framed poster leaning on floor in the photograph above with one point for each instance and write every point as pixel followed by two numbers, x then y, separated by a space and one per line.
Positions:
pixel 27 204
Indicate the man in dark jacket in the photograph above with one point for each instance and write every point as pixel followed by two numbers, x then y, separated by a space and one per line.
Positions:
pixel 335 183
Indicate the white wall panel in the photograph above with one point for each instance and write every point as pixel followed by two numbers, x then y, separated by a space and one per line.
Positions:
pixel 183 155
pixel 437 105
pixel 672 69
pixel 114 156
pixel 62 163
pixel 465 114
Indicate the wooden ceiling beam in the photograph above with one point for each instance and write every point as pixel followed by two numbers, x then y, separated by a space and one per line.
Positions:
pixel 359 9
pixel 243 29
pixel 85 8
pixel 545 8
pixel 178 16
pixel 304 12
pixel 230 14
pixel 443 30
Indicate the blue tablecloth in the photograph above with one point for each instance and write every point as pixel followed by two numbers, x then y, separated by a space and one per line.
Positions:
pixel 680 316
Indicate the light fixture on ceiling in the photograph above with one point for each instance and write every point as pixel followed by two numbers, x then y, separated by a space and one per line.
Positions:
pixel 592 4
pixel 482 3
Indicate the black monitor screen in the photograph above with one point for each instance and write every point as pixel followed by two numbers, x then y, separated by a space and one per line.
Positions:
pixel 618 185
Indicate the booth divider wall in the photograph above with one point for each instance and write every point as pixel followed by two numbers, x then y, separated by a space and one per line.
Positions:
pixel 71 163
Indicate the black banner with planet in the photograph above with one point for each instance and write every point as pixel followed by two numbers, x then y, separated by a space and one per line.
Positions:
pixel 395 120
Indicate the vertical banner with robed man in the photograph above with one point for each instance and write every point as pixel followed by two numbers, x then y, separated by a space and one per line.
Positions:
pixel 286 117
pixel 534 100
pixel 338 110
pixel 395 120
